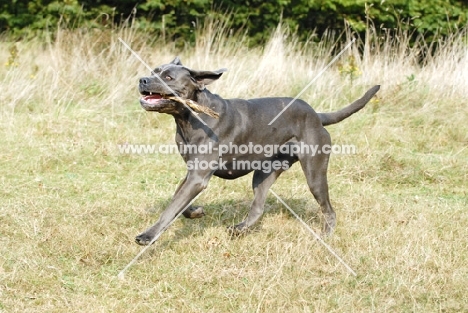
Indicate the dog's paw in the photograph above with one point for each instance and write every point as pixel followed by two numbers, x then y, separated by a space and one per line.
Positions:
pixel 329 225
pixel 194 212
pixel 327 233
pixel 143 239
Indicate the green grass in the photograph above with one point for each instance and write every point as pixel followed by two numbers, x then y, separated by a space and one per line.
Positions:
pixel 71 205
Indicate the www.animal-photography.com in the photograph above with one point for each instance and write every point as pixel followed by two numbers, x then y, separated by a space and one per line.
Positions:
pixel 233 157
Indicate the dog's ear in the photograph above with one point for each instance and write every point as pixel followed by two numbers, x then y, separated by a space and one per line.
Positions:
pixel 203 78
pixel 176 61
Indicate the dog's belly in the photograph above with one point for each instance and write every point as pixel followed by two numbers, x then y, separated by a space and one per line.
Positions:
pixel 239 166
pixel 231 174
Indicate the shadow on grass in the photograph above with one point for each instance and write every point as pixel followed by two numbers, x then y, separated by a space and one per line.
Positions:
pixel 227 213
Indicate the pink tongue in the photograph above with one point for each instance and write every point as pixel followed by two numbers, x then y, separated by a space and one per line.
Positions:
pixel 152 98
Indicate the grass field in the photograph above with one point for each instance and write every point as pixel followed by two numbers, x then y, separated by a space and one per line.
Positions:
pixel 71 204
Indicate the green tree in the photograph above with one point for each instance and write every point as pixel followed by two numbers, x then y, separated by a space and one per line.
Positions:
pixel 177 18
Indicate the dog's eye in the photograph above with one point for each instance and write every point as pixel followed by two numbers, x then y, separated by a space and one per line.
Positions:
pixel 168 77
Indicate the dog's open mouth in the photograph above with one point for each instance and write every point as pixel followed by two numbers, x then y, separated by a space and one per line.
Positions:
pixel 154 98
pixel 156 102
pixel 152 101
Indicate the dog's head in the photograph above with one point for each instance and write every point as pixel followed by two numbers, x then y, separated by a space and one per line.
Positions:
pixel 173 80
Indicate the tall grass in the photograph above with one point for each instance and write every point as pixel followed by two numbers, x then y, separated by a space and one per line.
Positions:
pixel 70 204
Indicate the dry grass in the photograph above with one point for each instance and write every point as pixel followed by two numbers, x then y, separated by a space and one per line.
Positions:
pixel 71 205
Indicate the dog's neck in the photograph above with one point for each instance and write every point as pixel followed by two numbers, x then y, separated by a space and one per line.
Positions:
pixel 208 99
pixel 202 98
pixel 188 126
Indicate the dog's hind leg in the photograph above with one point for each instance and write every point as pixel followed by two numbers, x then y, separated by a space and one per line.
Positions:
pixel 315 170
pixel 261 183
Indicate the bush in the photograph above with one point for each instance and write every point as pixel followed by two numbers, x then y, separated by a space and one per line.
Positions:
pixel 177 19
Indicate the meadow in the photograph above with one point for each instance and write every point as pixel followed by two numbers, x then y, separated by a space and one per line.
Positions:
pixel 71 204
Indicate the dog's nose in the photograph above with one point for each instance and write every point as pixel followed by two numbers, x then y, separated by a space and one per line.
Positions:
pixel 144 81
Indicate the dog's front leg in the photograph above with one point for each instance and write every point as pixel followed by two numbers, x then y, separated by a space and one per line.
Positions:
pixel 191 212
pixel 193 184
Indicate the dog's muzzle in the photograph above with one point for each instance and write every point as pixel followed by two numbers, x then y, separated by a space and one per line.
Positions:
pixel 153 99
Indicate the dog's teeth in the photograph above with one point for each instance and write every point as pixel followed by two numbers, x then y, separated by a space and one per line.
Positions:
pixel 151 93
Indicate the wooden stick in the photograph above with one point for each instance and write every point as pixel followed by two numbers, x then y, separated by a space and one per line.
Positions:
pixel 195 106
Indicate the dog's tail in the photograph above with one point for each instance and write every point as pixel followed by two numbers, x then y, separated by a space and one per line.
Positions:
pixel 338 116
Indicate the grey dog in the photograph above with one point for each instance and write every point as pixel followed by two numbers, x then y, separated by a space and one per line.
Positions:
pixel 240 122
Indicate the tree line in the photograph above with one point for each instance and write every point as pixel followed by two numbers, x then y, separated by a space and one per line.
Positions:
pixel 177 19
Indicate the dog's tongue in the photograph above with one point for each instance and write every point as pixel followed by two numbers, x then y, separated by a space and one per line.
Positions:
pixel 152 98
